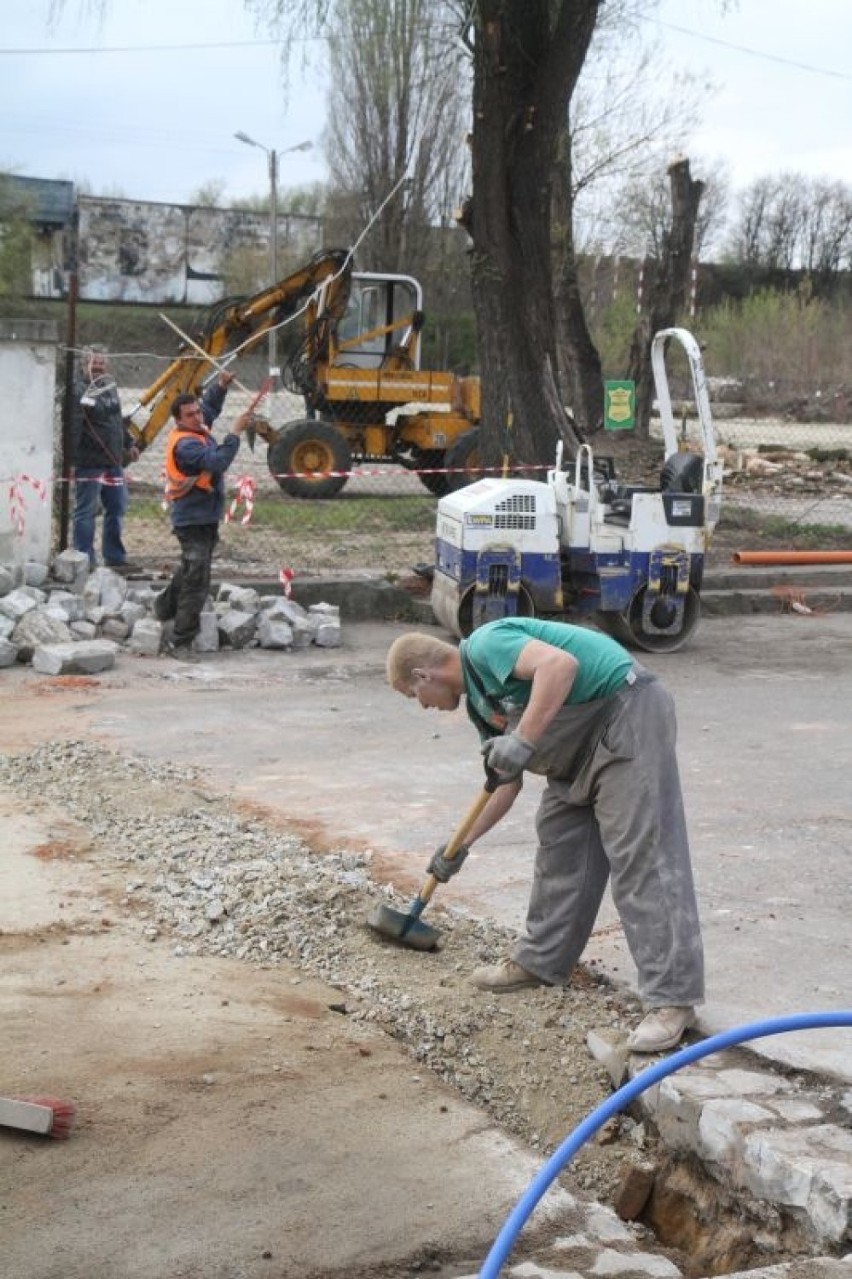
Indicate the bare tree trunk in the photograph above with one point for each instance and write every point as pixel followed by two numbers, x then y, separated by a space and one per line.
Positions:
pixel 580 373
pixel 668 293
pixel 527 57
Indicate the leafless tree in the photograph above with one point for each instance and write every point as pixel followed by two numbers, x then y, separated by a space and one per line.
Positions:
pixel 398 120
pixel 645 218
pixel 792 222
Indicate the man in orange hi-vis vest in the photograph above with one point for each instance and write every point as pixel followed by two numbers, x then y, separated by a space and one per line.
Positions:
pixel 195 489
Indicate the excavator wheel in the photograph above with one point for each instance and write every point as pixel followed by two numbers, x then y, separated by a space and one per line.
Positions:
pixel 630 629
pixel 463 460
pixel 310 458
pixel 432 461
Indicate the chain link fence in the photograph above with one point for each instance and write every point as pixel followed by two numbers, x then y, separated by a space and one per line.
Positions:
pixel 788 482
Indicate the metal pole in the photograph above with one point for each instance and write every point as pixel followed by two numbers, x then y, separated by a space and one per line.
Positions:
pixel 68 385
pixel 274 371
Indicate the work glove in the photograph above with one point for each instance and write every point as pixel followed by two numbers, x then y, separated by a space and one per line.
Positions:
pixel 507 756
pixel 442 868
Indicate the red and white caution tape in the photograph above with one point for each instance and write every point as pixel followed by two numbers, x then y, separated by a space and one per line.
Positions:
pixel 245 494
pixel 17 501
pixel 285 577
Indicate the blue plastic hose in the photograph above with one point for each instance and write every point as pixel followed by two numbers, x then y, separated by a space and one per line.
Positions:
pixel 517 1218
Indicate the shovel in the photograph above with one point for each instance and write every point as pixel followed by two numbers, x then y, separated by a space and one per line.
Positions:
pixel 408 929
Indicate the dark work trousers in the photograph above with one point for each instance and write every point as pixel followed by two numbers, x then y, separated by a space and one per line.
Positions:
pixel 186 594
pixel 616 816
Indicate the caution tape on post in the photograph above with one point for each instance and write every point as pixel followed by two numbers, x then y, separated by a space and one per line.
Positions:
pixel 17 500
pixel 244 495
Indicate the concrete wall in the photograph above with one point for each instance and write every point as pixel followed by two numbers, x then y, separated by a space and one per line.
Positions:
pixel 139 251
pixel 28 382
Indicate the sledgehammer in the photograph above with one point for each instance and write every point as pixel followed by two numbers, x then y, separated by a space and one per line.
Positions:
pixel 409 929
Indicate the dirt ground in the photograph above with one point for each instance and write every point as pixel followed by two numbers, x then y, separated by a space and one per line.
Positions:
pixel 192 1053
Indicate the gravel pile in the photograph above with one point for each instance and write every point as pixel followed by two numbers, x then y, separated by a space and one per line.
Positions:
pixel 199 874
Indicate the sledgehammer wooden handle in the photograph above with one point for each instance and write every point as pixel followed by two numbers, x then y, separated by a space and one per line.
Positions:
pixel 458 838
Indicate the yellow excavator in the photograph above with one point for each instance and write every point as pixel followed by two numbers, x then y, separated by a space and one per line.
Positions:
pixel 357 368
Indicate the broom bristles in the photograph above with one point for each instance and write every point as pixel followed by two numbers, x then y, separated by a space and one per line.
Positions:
pixel 64 1113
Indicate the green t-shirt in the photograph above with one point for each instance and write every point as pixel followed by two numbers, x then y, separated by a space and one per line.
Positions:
pixel 493 650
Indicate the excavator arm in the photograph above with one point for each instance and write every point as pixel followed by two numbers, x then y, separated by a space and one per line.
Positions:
pixel 233 328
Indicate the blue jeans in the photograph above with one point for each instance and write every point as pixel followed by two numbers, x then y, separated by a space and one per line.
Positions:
pixel 89 490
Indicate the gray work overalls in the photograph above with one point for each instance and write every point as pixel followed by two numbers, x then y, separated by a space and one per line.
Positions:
pixel 612 808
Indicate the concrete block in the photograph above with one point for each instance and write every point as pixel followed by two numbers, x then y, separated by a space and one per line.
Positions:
pixel 242 598
pixel 146 637
pixel 107 589
pixel 7 625
pixel 806 1168
pixel 71 567
pixel 676 1109
pixel 35 573
pixel 85 657
pixel 287 609
pixel 131 612
pixel 115 628
pixel 328 633
pixel 207 639
pixel 796 1110
pixel 303 632
pixel 237 629
pixel 274 633
pixel 749 1083
pixel 72 605
pixel 17 603
pixel 36 628
pixel 83 630
pixel 723 1126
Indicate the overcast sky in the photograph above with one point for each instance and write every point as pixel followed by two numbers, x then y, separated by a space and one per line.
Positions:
pixel 131 116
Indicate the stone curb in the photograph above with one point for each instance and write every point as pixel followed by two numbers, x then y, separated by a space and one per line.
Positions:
pixel 726 592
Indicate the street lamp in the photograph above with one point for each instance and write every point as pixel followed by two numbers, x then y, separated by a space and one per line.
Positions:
pixel 272 156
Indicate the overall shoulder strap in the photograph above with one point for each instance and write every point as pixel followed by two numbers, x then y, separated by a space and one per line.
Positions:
pixel 483 709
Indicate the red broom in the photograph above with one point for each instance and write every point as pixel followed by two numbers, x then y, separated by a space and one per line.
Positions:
pixel 48 1116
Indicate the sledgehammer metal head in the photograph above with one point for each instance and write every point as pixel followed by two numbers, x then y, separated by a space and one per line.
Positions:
pixel 406 929
pixel 409 929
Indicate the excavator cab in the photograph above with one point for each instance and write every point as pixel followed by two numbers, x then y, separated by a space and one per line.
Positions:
pixel 377 319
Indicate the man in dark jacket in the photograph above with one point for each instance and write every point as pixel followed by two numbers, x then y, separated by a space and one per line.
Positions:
pixel 100 443
pixel 195 489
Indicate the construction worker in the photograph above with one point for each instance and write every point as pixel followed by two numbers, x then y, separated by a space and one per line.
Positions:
pixel 195 489
pixel 571 704
pixel 101 445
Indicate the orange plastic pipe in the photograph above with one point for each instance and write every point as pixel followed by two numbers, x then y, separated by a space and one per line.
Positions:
pixel 792 557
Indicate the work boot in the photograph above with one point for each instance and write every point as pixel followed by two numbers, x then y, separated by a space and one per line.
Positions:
pixel 505 976
pixel 181 652
pixel 660 1029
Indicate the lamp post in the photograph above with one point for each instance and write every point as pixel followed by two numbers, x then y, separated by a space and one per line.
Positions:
pixel 272 156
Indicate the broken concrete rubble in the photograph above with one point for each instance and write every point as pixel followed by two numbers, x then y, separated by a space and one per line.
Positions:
pixel 65 618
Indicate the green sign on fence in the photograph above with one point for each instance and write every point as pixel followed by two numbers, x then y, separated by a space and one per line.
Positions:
pixel 619 406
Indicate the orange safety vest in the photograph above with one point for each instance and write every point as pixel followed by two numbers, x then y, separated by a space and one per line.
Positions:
pixel 178 484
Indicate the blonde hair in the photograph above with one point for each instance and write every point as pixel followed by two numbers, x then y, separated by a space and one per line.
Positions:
pixel 415 651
